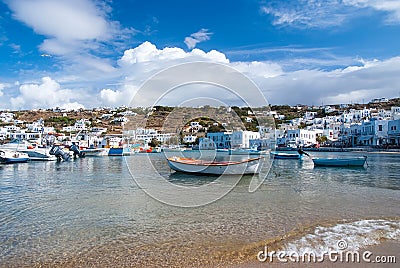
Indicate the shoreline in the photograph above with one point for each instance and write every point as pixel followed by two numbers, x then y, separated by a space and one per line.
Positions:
pixel 385 248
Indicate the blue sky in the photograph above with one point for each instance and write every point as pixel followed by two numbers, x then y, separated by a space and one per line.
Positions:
pixel 87 53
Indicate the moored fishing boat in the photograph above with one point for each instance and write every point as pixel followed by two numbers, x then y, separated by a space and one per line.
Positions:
pixel 190 165
pixel 281 155
pixel 340 162
pixel 9 156
pixel 245 152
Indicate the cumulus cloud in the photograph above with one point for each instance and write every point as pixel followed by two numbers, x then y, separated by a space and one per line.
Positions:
pixel 359 81
pixel 47 94
pixel 117 97
pixel 351 84
pixel 147 52
pixel 364 79
pixel 195 38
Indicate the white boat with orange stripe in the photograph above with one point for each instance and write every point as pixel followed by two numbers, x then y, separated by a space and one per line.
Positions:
pixel 190 165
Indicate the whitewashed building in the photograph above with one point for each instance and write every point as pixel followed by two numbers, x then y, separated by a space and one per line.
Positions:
pixel 301 137
pixel 241 139
pixel 222 140
pixel 206 144
pixel 394 132
pixel 189 138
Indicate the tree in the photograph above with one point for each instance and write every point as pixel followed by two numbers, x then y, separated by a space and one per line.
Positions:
pixel 321 139
pixel 154 142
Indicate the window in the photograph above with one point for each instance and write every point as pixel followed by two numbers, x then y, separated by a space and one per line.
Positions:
pixel 379 127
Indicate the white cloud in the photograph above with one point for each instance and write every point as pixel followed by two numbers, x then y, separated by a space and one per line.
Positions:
pixel 351 84
pixel 258 69
pixel 307 13
pixel 392 7
pixel 70 26
pixel 363 79
pixel 72 106
pixel 47 94
pixel 355 82
pixel 324 14
pixel 111 97
pixel 195 38
pixel 63 20
pixel 2 86
pixel 76 31
pixel 147 52
pixel 117 97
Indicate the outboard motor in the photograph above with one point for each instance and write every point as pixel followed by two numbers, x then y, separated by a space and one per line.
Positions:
pixel 59 153
pixel 76 150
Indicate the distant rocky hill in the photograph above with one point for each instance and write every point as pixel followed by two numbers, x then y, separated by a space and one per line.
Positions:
pixel 175 119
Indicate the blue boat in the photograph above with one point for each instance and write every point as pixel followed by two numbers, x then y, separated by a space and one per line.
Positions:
pixel 340 162
pixel 116 151
pixel 281 155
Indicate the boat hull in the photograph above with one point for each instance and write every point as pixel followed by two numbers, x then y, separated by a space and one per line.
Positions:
pixel 279 155
pixel 187 165
pixel 119 151
pixel 340 162
pixel 95 152
pixel 8 157
pixel 244 152
pixel 39 154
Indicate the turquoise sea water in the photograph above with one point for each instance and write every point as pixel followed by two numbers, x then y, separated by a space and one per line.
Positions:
pixel 90 211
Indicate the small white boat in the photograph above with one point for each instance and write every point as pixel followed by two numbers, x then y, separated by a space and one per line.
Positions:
pixel 340 162
pixel 283 155
pixel 95 151
pixel 245 152
pixel 9 156
pixel 39 154
pixel 190 165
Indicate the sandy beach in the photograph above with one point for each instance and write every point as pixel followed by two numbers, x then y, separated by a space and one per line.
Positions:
pixel 386 248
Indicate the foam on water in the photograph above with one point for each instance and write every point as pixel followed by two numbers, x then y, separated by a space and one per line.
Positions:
pixel 350 236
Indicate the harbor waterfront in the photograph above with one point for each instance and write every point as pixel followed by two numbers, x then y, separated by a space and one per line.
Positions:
pixel 90 212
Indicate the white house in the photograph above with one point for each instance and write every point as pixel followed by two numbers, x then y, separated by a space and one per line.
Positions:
pixel 6 117
pixel 189 138
pixel 374 132
pixel 221 139
pixel 206 144
pixel 301 137
pixel 241 139
pixel 394 132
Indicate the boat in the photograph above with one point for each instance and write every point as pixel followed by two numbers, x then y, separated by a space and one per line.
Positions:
pixel 39 154
pixel 9 156
pixel 16 144
pixel 245 152
pixel 340 162
pixel 116 151
pixel 150 150
pixel 190 165
pixel 95 151
pixel 281 155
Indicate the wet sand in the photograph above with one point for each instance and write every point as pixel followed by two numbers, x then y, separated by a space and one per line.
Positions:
pixel 386 248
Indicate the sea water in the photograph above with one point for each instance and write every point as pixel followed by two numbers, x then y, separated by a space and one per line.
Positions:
pixel 90 211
